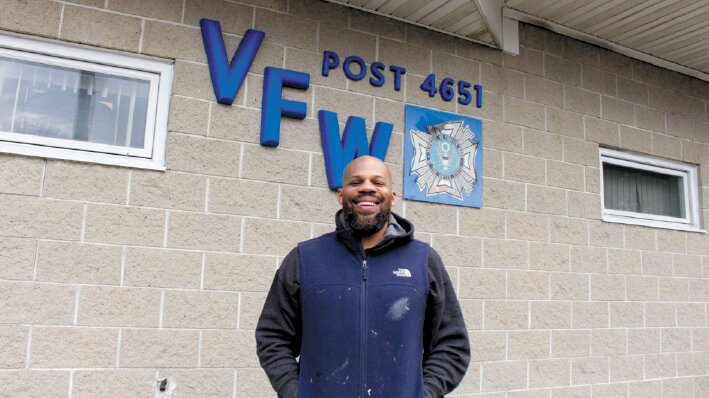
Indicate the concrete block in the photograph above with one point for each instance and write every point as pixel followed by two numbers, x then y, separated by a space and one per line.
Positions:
pixel 34 383
pixel 527 226
pixel 17 257
pixel 275 164
pixel 491 346
pixel 624 262
pixel 203 155
pixel 204 231
pixel 549 257
pixel 201 382
pixel 168 190
pixel 588 259
pixel 635 139
pixel 502 80
pixel 672 289
pixel 598 81
pixel 158 9
pixel 676 340
pixel 506 375
pixel 503 136
pixel 192 80
pixel 524 168
pixel 359 42
pixel 642 288
pixel 200 309
pixel 551 315
pixel 21 175
pixel 36 303
pixel 528 61
pixel 60 347
pixel 562 70
pixel 308 204
pixel 601 131
pixel 114 306
pixel 633 91
pixel 23 216
pixel 589 370
pixel 687 266
pixel 660 366
pixel 491 110
pixel 228 349
pixel 690 314
pixel 458 251
pixel 66 262
pixel 506 315
pixel 608 342
pixel 549 373
pixel 587 315
pixel 657 263
pixel 482 283
pixel 234 18
pixel 547 200
pixel 607 287
pixel 569 286
pixel 283 236
pixel 583 205
pixel 110 30
pixel 626 314
pixel 605 234
pixel 432 217
pixel 162 268
pixel 666 146
pixel 649 119
pixel 580 152
pixel 287 29
pixel 250 309
pixel 543 40
pixel 544 91
pixel 38 17
pixel 253 382
pixel 244 197
pixel 173 41
pixel 542 144
pixel 528 344
pixel 616 63
pixel 124 225
pixel 188 116
pixel 626 367
pixel 565 175
pixel 498 253
pixel 482 222
pixel 643 341
pixel 13 345
pixel 90 383
pixel 473 313
pixel 582 101
pixel 238 272
pixel 165 348
pixel 562 122
pixel 524 113
pixel 570 343
pixel 568 230
pixel 425 38
pixel 527 285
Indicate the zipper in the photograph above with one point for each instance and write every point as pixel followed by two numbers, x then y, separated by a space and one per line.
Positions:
pixel 363 330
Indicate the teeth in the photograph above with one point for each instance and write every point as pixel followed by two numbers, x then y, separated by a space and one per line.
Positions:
pixel 366 203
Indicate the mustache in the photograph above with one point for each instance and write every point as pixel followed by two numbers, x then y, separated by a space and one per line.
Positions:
pixel 378 198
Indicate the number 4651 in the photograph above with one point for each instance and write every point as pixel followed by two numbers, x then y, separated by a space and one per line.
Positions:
pixel 447 92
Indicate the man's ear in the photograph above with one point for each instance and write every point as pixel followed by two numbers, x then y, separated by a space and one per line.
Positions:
pixel 339 195
pixel 393 199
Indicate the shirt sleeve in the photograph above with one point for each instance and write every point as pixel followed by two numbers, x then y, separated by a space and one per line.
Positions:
pixel 278 328
pixel 446 344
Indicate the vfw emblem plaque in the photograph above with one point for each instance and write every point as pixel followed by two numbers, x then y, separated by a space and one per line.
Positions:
pixel 443 157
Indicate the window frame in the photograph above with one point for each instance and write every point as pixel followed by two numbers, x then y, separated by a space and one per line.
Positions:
pixel 686 172
pixel 159 73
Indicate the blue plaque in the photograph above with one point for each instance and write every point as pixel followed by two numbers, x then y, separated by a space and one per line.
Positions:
pixel 443 157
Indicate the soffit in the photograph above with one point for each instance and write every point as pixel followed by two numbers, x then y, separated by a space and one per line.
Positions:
pixel 676 31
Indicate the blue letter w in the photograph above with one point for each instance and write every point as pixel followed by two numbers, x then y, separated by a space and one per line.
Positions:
pixel 338 153
pixel 228 77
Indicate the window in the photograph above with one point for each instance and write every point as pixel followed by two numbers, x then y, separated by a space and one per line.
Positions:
pixel 76 103
pixel 649 191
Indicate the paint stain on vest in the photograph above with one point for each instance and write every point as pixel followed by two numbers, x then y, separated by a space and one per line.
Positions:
pixel 398 309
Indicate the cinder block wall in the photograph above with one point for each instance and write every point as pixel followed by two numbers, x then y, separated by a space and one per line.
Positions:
pixel 111 278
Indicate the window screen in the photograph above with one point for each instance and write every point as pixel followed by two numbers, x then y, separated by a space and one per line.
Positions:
pixel 642 191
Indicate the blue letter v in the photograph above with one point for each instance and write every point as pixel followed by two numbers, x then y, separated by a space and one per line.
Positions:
pixel 228 77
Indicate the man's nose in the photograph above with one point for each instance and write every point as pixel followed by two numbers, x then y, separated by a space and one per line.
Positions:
pixel 366 186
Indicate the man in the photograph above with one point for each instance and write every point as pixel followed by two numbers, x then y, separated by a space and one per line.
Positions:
pixel 369 310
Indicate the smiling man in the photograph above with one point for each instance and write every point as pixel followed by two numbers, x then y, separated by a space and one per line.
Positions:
pixel 365 311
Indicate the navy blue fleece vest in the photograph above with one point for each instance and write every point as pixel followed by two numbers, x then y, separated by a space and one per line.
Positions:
pixel 362 328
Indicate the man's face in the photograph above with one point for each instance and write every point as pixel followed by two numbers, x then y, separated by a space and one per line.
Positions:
pixel 366 195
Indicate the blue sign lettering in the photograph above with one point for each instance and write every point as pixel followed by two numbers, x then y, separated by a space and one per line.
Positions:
pixel 227 78
pixel 273 106
pixel 338 153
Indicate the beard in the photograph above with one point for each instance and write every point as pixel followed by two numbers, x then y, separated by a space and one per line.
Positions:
pixel 368 226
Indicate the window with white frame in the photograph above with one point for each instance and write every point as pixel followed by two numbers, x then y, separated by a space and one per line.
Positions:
pixel 78 103
pixel 645 190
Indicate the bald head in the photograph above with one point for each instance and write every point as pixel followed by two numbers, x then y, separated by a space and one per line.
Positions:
pixel 367 165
